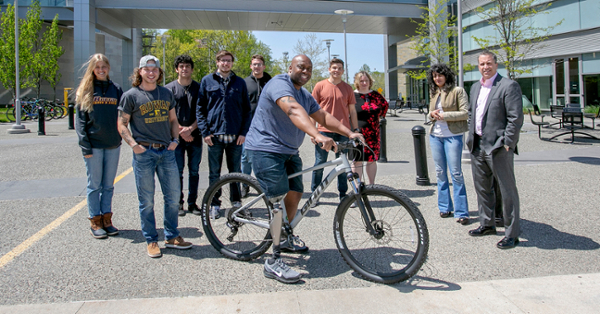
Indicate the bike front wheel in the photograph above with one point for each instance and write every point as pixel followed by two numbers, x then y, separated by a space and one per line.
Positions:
pixel 400 244
pixel 226 231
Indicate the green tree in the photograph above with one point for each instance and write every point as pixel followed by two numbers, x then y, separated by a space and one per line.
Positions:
pixel 203 46
pixel 433 37
pixel 518 36
pixel 51 43
pixel 365 68
pixel 313 48
pixel 148 40
pixel 7 51
pixel 36 67
pixel 378 81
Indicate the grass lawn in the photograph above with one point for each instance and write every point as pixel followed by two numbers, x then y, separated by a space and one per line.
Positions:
pixel 3 115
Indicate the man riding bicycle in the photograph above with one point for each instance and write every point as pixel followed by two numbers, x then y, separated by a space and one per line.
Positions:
pixel 280 122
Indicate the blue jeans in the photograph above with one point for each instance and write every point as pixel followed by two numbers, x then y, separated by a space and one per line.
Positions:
pixel 246 161
pixel 101 172
pixel 320 158
pixel 194 155
pixel 215 160
pixel 145 165
pixel 447 152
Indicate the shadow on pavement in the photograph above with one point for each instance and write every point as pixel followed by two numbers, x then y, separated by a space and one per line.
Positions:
pixel 136 236
pixel 586 160
pixel 418 193
pixel 546 237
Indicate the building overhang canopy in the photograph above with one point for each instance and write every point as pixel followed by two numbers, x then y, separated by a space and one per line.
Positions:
pixel 370 17
pixel 415 64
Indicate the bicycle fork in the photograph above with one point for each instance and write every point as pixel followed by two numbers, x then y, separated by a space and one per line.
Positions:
pixel 363 205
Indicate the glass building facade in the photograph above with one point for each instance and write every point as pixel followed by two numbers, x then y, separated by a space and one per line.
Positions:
pixel 567 65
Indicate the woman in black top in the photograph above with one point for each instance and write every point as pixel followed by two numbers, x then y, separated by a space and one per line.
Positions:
pixel 97 99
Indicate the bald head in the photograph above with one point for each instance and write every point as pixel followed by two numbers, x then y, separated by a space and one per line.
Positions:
pixel 300 70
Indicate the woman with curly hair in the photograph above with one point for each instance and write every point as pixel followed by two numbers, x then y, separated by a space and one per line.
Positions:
pixel 97 99
pixel 448 112
pixel 370 107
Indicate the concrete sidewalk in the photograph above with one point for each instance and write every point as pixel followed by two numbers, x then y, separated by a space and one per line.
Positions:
pixel 555 294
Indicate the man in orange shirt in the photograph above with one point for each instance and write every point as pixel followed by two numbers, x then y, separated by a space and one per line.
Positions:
pixel 337 98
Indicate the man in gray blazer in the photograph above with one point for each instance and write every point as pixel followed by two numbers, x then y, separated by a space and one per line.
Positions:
pixel 495 120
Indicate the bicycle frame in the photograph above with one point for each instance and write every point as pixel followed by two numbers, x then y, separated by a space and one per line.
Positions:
pixel 342 165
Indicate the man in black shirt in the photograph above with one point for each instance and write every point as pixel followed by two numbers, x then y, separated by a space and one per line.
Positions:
pixel 255 83
pixel 185 90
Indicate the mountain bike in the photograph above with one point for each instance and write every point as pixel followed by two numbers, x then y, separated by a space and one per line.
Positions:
pixel 384 238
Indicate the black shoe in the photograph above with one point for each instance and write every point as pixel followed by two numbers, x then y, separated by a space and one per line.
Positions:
pixel 499 222
pixel 508 243
pixel 181 211
pixel 193 209
pixel 245 190
pixel 446 215
pixel 294 246
pixel 463 221
pixel 481 231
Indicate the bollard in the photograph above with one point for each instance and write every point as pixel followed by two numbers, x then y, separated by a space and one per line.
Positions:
pixel 383 140
pixel 71 117
pixel 418 133
pixel 41 121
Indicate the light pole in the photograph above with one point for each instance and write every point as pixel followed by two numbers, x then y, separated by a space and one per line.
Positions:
pixel 285 60
pixel 164 42
pixel 17 127
pixel 344 12
pixel 328 43
pixel 461 82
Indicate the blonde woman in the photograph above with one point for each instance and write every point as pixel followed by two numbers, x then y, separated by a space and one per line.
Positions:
pixel 370 108
pixel 448 110
pixel 97 99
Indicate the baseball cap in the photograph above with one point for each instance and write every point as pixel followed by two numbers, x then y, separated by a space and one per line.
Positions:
pixel 144 61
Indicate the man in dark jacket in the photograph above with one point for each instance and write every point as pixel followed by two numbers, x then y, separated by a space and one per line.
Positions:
pixel 185 90
pixel 255 83
pixel 223 116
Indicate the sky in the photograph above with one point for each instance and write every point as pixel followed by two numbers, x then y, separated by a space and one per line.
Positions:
pixel 362 48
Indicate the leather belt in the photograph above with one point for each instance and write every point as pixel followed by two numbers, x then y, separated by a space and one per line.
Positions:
pixel 153 145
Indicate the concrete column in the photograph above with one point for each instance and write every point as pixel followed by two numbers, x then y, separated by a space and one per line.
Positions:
pixel 391 61
pixel 127 62
pixel 84 34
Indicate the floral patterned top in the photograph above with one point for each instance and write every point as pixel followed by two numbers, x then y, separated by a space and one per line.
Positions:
pixel 370 108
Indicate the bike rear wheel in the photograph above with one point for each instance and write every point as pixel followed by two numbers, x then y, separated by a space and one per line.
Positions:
pixel 399 248
pixel 234 239
pixel 10 114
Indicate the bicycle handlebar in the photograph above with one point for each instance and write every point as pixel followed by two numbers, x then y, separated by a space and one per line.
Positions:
pixel 352 143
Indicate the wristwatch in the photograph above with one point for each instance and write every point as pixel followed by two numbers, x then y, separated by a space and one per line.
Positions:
pixel 357 130
pixel 175 140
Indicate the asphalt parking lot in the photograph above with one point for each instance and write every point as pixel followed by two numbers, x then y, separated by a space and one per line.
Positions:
pixel 43 179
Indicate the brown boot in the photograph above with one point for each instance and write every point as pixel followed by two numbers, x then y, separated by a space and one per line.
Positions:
pixel 108 226
pixel 96 229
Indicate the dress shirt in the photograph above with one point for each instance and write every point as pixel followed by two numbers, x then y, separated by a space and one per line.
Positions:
pixel 484 93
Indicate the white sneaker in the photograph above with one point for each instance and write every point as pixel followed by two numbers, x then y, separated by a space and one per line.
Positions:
pixel 214 212
pixel 236 205
pixel 279 271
